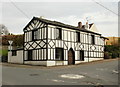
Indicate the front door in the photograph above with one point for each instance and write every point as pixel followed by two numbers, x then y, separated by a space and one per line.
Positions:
pixel 71 57
pixel 29 54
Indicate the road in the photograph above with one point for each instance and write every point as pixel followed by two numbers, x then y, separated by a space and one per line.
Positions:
pixel 96 73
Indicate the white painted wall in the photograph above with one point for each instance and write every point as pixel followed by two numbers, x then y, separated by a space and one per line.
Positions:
pixel 99 43
pixel 37 54
pixel 88 60
pixel 16 59
pixel 58 43
pixel 94 28
pixel 44 63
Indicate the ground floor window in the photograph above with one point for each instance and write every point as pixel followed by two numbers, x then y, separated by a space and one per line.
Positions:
pixel 82 55
pixel 29 54
pixel 59 54
pixel 14 53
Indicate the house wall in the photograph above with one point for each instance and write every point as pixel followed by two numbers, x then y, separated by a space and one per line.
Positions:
pixel 44 48
pixel 38 46
pixel 15 59
pixel 94 28
pixel 92 52
pixel 112 41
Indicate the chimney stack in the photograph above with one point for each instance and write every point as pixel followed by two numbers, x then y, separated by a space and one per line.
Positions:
pixel 79 24
pixel 87 26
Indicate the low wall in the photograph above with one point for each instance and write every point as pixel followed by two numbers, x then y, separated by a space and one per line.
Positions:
pixel 16 59
pixel 46 63
pixel 88 60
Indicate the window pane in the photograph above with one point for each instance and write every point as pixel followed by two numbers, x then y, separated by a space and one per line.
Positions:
pixel 78 36
pixel 34 34
pixel 82 55
pixel 59 54
pixel 92 39
pixel 14 53
pixel 58 33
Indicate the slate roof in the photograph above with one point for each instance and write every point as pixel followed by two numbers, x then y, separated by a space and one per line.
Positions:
pixel 56 23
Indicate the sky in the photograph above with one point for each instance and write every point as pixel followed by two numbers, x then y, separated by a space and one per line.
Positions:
pixel 17 14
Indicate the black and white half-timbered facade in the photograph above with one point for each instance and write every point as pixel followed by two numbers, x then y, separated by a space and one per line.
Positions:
pixel 52 43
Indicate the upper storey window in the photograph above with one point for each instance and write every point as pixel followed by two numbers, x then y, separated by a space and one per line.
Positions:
pixel 77 36
pixel 34 35
pixel 92 39
pixel 58 33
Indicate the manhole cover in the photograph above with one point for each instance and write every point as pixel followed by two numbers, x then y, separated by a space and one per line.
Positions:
pixel 72 76
pixel 34 74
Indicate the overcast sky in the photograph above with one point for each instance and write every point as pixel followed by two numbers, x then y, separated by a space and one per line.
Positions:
pixel 66 12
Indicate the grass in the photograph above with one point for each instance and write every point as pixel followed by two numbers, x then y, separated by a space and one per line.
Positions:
pixel 4 52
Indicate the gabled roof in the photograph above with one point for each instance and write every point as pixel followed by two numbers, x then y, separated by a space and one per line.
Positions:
pixel 90 25
pixel 56 23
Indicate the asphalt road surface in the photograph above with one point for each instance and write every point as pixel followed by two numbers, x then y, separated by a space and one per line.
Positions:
pixel 96 73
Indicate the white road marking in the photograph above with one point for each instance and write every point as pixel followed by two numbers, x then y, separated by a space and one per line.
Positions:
pixel 55 80
pixel 115 71
pixel 72 76
pixel 101 69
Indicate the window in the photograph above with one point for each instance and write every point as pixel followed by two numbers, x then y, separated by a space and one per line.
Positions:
pixel 14 53
pixel 58 33
pixel 59 54
pixel 34 34
pixel 29 54
pixel 82 55
pixel 77 36
pixel 92 39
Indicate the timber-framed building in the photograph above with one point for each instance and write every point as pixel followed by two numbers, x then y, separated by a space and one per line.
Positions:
pixel 52 43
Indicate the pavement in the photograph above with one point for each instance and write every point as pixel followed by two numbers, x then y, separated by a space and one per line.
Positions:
pixel 94 73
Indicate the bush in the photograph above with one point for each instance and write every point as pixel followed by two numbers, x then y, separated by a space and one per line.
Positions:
pixel 107 55
pixel 112 50
pixel 4 53
pixel 4 58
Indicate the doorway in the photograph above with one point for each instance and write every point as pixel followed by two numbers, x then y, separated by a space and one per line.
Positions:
pixel 71 57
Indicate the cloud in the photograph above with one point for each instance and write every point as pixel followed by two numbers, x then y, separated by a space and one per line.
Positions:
pixel 15 25
pixel 68 13
pixel 102 17
pixel 106 24
pixel 60 0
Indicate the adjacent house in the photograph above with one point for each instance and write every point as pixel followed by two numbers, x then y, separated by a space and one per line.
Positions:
pixel 53 43
pixel 112 41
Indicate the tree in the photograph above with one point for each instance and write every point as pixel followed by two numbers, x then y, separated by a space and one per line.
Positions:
pixel 3 30
pixel 17 40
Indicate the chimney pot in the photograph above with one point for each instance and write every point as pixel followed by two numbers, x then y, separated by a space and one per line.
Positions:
pixel 79 24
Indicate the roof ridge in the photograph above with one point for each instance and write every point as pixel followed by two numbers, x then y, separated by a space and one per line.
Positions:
pixel 56 23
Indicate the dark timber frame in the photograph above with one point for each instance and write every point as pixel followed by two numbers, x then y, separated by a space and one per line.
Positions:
pixel 46 47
